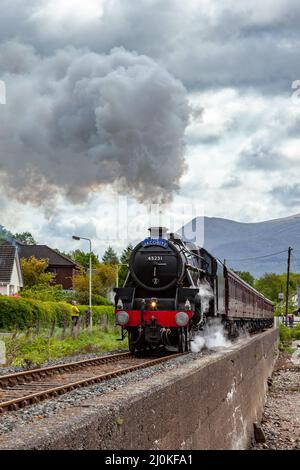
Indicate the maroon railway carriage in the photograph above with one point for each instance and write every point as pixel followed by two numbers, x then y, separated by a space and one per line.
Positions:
pixel 245 306
pixel 174 288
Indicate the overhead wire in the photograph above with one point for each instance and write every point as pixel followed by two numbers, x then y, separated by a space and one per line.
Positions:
pixel 257 257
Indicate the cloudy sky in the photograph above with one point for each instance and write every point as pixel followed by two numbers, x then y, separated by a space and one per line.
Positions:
pixel 113 105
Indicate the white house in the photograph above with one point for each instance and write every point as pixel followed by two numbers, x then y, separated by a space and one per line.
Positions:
pixel 11 279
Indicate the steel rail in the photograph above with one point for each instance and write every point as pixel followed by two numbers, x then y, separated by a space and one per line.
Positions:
pixel 16 377
pixel 28 399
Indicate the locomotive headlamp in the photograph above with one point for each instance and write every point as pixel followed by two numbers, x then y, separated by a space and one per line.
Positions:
pixel 122 318
pixel 181 318
pixel 153 303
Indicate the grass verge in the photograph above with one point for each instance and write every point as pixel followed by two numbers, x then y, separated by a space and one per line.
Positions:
pixel 287 336
pixel 22 350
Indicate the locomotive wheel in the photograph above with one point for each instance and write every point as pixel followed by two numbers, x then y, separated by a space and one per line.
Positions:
pixel 132 341
pixel 187 340
pixel 182 340
pixel 131 348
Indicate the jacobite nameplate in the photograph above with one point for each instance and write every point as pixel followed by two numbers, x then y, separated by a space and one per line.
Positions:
pixel 155 241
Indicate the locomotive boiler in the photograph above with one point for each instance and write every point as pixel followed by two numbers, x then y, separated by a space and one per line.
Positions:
pixel 174 287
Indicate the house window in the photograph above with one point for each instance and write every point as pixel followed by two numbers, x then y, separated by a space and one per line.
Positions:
pixel 52 270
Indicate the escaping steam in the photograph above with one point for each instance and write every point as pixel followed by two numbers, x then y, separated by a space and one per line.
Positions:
pixel 207 294
pixel 213 336
pixel 78 121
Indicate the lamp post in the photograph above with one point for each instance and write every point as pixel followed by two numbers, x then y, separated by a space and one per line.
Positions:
pixel 90 277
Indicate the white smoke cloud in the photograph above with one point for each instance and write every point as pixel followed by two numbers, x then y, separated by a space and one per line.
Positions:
pixel 213 336
pixel 77 121
pixel 206 293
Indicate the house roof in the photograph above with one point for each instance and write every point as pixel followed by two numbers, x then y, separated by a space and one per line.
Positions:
pixel 7 258
pixel 45 252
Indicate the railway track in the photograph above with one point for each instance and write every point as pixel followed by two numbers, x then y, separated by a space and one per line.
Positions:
pixel 28 387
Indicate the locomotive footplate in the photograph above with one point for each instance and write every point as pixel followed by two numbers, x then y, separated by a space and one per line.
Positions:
pixel 152 332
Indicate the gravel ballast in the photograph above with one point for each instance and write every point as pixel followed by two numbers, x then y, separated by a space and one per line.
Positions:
pixel 281 419
pixel 54 362
pixel 22 417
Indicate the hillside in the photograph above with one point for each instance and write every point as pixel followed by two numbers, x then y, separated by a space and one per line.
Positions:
pixel 233 241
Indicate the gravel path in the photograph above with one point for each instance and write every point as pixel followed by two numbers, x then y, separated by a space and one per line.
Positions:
pixel 281 418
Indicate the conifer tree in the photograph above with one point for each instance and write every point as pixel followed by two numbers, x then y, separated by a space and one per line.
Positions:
pixel 110 256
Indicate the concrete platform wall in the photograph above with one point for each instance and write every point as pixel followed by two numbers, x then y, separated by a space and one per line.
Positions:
pixel 209 403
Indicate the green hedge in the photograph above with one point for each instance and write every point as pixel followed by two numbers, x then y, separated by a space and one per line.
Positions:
pixel 83 298
pixel 21 313
pixel 99 311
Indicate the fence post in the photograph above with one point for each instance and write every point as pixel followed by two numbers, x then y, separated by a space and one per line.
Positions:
pixel 105 322
pixel 37 327
pixel 52 328
pixel 63 334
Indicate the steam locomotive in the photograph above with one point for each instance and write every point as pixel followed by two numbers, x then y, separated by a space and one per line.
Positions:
pixel 173 288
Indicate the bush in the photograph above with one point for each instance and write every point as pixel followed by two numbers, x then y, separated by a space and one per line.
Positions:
pixel 99 311
pixel 100 300
pixel 22 313
pixel 83 299
pixel 15 313
pixel 46 293
pixel 287 335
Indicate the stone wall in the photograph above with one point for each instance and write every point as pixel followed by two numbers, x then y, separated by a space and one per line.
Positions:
pixel 209 403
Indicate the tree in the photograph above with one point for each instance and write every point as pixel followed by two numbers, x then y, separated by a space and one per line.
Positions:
pixel 5 234
pixel 34 274
pixel 270 284
pixel 106 276
pixel 83 258
pixel 103 279
pixel 110 256
pixel 25 237
pixel 124 261
pixel 246 276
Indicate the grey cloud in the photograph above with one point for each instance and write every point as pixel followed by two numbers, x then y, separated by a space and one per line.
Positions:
pixel 203 139
pixel 77 121
pixel 261 156
pixel 231 183
pixel 289 196
pixel 230 44
pixel 60 228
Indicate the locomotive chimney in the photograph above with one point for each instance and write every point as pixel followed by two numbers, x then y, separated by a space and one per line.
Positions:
pixel 158 232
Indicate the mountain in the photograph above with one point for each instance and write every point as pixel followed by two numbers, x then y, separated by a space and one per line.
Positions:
pixel 235 241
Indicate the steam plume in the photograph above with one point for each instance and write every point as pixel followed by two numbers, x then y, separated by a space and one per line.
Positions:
pixel 78 121
pixel 213 336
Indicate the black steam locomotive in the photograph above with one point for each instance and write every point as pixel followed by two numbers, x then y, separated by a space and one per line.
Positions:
pixel 174 287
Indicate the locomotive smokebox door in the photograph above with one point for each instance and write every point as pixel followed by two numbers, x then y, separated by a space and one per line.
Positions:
pixel 156 264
